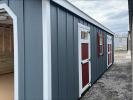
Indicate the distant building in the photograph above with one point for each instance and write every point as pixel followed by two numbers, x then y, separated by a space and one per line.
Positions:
pixel 120 42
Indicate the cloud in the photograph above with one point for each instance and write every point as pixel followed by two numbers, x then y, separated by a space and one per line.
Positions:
pixel 113 14
pixel 120 14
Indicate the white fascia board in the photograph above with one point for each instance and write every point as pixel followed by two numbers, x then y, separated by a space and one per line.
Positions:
pixel 77 11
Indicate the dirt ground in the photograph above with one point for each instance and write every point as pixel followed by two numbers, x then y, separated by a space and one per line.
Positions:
pixel 116 83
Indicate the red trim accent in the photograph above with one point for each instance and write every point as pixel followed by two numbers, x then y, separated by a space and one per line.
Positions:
pixel 103 42
pixel 84 51
pixel 85 74
pixel 108 59
pixel 110 53
pixel 98 44
pixel 108 48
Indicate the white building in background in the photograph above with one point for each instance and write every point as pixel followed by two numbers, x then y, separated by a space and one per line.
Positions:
pixel 120 41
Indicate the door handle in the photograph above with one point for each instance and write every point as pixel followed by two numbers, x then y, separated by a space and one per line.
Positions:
pixel 85 61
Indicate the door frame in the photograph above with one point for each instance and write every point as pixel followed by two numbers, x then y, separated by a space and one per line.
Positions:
pixel 108 37
pixel 15 42
pixel 81 90
pixel 47 67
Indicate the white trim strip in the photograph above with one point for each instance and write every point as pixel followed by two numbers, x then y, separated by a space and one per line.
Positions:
pixel 109 41
pixel 15 36
pixel 47 94
pixel 85 61
pixel 88 85
pixel 83 28
pixel 84 41
pixel 109 65
pixel 77 11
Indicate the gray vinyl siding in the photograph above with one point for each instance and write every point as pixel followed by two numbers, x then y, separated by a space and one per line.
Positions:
pixel 29 23
pixel 64 32
pixel 64 39
pixel 33 50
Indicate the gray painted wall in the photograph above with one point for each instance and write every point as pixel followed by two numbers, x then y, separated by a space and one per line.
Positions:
pixel 64 27
pixel 64 51
pixel 29 15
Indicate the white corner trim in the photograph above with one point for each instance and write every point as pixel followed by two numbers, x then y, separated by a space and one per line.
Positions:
pixel 47 94
pixel 15 35
pixel 66 4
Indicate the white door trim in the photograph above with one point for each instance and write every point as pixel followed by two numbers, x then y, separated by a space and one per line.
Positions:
pixel 15 36
pixel 47 94
pixel 109 41
pixel 80 26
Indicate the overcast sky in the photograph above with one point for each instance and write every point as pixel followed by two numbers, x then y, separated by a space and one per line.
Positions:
pixel 113 14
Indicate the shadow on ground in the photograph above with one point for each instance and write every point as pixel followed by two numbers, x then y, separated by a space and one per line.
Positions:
pixel 116 83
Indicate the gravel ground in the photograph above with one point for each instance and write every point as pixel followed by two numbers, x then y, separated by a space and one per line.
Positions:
pixel 116 83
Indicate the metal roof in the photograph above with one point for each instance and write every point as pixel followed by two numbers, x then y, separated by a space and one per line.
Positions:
pixel 77 11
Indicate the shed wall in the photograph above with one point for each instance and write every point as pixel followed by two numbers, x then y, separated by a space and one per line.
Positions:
pixel 64 31
pixel 64 27
pixel 29 19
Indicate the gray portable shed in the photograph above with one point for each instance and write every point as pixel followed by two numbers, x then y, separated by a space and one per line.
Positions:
pixel 59 51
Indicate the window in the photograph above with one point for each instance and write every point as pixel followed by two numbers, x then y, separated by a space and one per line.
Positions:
pixel 84 35
pixel 120 39
pixel 100 43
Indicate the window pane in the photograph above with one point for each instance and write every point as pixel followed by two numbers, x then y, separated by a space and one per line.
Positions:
pixel 84 35
pixel 108 48
pixel 101 39
pixel 108 59
pixel 101 49
pixel 84 51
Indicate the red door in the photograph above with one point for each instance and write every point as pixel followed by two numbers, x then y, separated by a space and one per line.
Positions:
pixel 85 64
pixel 84 58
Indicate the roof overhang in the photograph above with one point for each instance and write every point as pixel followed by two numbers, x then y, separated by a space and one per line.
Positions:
pixel 67 5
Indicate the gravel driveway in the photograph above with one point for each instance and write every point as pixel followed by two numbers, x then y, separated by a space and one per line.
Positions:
pixel 116 83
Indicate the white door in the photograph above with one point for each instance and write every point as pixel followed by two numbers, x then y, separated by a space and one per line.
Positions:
pixel 84 58
pixel 109 51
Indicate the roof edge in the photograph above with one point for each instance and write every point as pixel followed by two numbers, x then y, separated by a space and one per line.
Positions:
pixel 66 4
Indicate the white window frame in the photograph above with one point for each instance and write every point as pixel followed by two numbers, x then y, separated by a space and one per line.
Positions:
pixel 15 36
pixel 101 37
pixel 83 27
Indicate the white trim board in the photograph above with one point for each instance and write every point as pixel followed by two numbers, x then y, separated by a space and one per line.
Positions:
pixel 109 41
pixel 83 28
pixel 77 11
pixel 47 94
pixel 15 36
